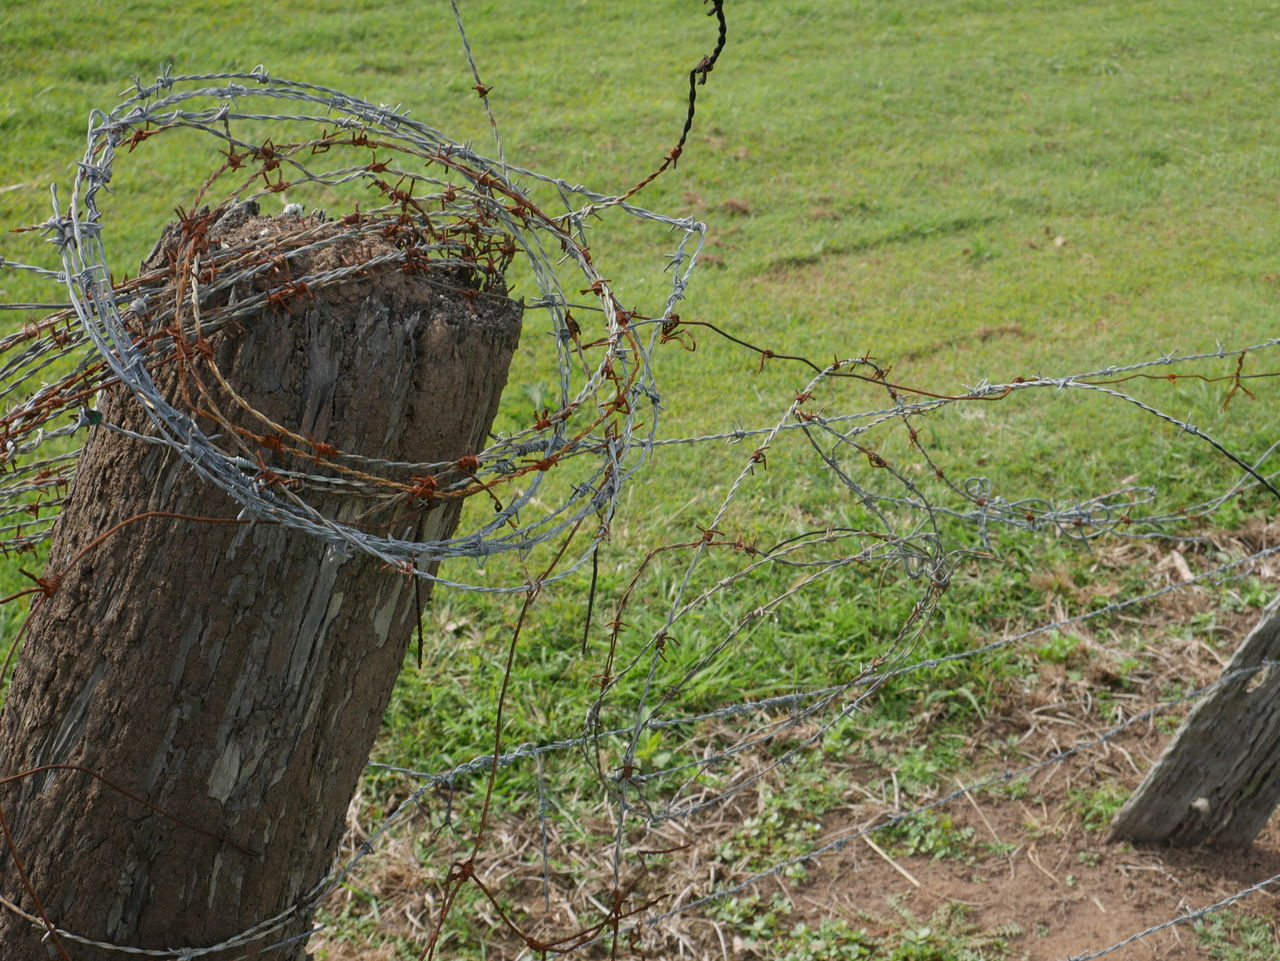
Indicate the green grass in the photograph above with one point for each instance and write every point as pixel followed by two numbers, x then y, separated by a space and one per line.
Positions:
pixel 1233 936
pixel 962 189
pixel 946 936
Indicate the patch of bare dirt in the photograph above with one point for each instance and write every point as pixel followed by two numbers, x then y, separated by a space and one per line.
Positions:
pixel 1063 888
pixel 1036 865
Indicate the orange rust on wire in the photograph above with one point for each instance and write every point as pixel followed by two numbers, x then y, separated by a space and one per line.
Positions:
pixel 268 154
pixel 321 449
pixel 138 136
pixel 203 347
pixel 51 931
pixel 281 296
pixel 403 197
pixel 1236 385
pixel 660 644
pixel 597 287
pixel 671 331
pixel 323 143
pixel 266 477
pixel 425 488
pixel 874 459
pixel 571 325
pixel 531 595
pixel 45 586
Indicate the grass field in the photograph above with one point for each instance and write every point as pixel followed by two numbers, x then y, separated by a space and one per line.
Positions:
pixel 965 190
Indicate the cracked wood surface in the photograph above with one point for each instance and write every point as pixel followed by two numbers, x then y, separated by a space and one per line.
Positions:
pixel 1218 781
pixel 234 675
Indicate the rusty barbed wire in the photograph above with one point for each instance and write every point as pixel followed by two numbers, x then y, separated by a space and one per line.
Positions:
pixel 481 223
pixel 443 207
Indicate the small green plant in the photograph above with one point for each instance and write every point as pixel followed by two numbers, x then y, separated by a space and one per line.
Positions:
pixel 1247 596
pixel 752 918
pixel 833 938
pixel 764 840
pixel 649 750
pixel 1016 789
pixel 946 937
pixel 920 767
pixel 1234 936
pixel 1097 807
pixel 932 834
pixel 1058 648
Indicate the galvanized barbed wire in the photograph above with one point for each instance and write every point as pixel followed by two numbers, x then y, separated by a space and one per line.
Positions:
pixel 599 401
pixel 921 557
pixel 500 197
pixel 844 838
pixel 1185 918
pixel 483 762
pixel 794 704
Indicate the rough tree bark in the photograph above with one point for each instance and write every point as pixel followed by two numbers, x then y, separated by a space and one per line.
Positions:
pixel 233 675
pixel 1218 781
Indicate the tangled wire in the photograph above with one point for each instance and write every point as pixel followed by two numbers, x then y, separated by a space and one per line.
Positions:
pixel 437 205
pixel 439 210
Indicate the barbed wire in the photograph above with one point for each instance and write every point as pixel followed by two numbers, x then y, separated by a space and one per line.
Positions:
pixel 475 199
pixel 1186 918
pixel 483 763
pixel 461 219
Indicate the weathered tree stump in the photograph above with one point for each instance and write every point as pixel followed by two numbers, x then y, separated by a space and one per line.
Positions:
pixel 1218 781
pixel 234 675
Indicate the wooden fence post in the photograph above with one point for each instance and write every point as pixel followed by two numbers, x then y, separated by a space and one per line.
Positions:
pixel 233 675
pixel 1218 781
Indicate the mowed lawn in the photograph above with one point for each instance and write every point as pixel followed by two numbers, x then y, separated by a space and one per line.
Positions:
pixel 964 190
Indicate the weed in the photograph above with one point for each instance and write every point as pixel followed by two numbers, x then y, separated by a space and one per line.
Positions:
pixel 1059 648
pixel 1234 936
pixel 1250 594
pixel 781 833
pixel 829 939
pixel 1097 807
pixel 931 834
pixel 1015 789
pixel 946 936
pixel 751 917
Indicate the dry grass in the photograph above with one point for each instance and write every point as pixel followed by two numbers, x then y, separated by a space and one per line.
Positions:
pixel 1059 884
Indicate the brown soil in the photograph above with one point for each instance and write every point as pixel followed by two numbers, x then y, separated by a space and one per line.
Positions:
pixel 1066 889
pixel 1034 870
